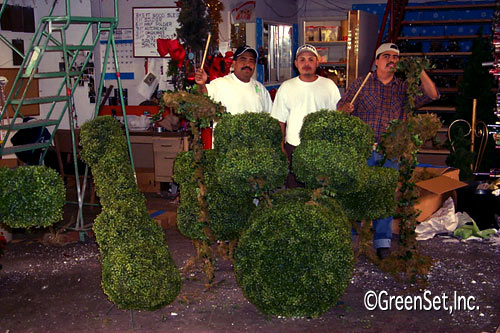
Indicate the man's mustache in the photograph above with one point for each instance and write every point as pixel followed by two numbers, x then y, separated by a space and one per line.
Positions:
pixel 390 63
pixel 246 67
pixel 307 68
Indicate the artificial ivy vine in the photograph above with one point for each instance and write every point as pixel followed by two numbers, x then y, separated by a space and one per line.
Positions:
pixel 200 111
pixel 401 141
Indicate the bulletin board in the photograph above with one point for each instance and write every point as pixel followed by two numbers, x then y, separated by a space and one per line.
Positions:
pixel 149 24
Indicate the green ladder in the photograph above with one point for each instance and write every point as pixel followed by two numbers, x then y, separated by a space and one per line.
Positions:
pixel 50 39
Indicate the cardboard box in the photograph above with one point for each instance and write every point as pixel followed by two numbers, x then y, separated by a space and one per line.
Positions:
pixel 434 191
pixel 146 180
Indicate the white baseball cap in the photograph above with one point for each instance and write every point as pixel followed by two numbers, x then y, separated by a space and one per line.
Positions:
pixel 307 48
pixel 386 47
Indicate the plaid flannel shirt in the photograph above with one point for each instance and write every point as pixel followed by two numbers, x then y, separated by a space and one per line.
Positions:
pixel 377 104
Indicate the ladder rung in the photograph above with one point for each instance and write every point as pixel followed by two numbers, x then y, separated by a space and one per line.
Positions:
pixel 70 48
pixel 47 75
pixel 79 19
pixel 40 100
pixel 31 124
pixel 31 146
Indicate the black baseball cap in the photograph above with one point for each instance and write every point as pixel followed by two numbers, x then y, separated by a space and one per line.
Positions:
pixel 242 49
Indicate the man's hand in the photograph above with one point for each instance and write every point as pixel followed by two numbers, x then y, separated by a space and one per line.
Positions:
pixel 347 108
pixel 200 77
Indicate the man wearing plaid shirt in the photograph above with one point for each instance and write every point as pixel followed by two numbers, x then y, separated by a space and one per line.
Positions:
pixel 381 100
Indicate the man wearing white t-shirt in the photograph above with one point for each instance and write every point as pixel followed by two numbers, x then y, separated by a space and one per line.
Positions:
pixel 300 96
pixel 238 91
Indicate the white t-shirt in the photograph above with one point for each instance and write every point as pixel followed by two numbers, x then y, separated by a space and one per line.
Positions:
pixel 238 96
pixel 296 99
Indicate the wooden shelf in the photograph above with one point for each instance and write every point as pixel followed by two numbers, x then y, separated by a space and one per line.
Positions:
pixel 471 6
pixel 446 22
pixel 432 54
pixel 334 63
pixel 439 37
pixel 337 42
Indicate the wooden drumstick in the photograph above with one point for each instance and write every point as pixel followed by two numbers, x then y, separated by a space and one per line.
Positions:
pixel 361 87
pixel 206 49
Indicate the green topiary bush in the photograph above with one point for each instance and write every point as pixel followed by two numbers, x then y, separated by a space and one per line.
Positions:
pixel 140 275
pixel 296 258
pixel 376 198
pixel 249 129
pixel 239 168
pixel 31 196
pixel 137 270
pixel 318 163
pixel 228 212
pixel 125 222
pixel 339 128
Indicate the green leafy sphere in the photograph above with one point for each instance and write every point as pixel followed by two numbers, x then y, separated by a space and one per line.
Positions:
pixel 376 199
pixel 296 258
pixel 249 129
pixel 140 277
pixel 31 196
pixel 319 163
pixel 339 128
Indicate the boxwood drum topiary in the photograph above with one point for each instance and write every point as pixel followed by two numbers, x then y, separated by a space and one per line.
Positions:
pixel 296 258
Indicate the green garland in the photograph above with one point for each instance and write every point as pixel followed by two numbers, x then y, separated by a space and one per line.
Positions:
pixel 401 141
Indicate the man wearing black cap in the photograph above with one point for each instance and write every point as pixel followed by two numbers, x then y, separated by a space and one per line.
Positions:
pixel 380 101
pixel 300 96
pixel 238 92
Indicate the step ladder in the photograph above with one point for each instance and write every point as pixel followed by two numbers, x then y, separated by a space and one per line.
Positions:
pixel 50 40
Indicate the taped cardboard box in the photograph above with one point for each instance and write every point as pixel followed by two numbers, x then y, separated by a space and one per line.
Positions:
pixel 434 191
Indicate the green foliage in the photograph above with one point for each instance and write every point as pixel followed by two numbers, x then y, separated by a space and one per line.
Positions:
pixel 99 136
pixel 137 270
pixel 376 197
pixel 31 196
pixel 140 275
pixel 339 128
pixel 411 68
pixel 199 110
pixel 460 155
pixel 125 223
pixel 296 258
pixel 477 83
pixel 249 130
pixel 319 163
pixel 228 212
pixel 239 169
pixel 193 24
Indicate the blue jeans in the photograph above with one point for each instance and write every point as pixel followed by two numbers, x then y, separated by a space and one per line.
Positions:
pixel 383 227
